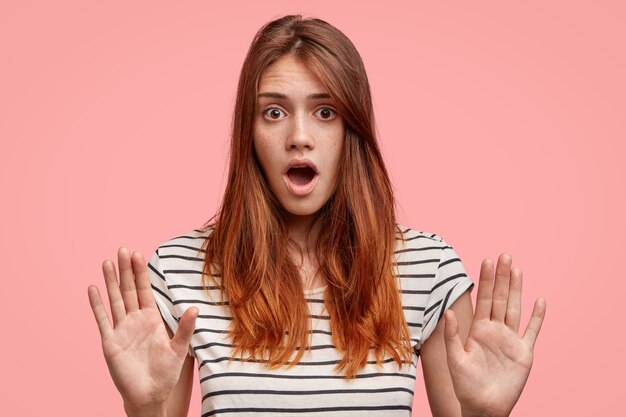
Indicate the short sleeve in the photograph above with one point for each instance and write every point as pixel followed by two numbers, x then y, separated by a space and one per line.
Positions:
pixel 450 282
pixel 161 292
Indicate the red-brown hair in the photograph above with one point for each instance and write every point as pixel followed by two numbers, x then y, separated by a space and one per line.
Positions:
pixel 248 246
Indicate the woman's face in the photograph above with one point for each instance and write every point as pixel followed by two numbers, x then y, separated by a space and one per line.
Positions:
pixel 298 136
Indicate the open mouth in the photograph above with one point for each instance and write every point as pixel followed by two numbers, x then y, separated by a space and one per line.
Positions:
pixel 301 179
pixel 301 175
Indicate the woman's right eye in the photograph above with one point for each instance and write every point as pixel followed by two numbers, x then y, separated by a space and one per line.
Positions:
pixel 273 113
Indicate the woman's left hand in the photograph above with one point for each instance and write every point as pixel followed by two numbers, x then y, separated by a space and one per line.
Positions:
pixel 489 372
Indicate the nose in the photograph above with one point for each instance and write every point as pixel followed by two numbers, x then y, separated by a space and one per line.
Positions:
pixel 300 135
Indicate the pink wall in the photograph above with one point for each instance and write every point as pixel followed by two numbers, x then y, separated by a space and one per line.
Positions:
pixel 502 124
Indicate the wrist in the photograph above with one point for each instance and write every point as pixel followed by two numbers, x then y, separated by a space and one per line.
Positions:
pixel 469 413
pixel 151 410
pixel 465 413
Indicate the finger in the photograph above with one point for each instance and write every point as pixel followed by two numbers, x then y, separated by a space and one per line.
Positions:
pixel 501 288
pixel 186 326
pixel 485 291
pixel 535 322
pixel 127 280
pixel 142 282
pixel 452 338
pixel 514 305
pixel 100 314
pixel 118 311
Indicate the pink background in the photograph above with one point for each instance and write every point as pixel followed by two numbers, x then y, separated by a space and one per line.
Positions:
pixel 502 123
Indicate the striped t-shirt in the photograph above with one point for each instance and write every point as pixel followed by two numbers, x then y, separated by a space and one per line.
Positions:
pixel 430 275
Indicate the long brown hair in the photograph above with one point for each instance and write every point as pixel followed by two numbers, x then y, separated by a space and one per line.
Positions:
pixel 248 246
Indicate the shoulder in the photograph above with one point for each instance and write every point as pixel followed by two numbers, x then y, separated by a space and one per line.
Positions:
pixel 431 277
pixel 420 247
pixel 420 254
pixel 183 252
pixel 188 243
pixel 410 240
pixel 429 261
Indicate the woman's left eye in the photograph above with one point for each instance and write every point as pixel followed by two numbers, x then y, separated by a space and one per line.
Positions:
pixel 326 113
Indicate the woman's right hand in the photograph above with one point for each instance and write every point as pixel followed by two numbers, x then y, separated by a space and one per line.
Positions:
pixel 144 362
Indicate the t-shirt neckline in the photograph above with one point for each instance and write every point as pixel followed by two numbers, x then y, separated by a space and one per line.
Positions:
pixel 315 290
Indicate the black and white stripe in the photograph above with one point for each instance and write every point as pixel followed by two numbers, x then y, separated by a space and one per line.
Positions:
pixel 430 277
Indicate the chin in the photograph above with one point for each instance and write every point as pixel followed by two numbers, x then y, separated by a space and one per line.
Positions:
pixel 301 210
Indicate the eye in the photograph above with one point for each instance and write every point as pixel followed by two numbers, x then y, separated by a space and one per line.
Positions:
pixel 273 113
pixel 326 113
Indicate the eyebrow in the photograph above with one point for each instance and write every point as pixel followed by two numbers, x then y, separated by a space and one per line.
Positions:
pixel 313 96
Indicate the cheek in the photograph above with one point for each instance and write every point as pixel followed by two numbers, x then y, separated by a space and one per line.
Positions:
pixel 260 147
pixel 264 141
pixel 337 148
pixel 266 155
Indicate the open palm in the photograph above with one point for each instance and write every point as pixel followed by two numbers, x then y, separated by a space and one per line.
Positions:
pixel 144 362
pixel 490 370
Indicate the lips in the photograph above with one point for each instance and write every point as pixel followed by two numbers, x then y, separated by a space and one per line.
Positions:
pixel 300 176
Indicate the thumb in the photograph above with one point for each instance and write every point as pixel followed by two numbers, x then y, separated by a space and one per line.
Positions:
pixel 186 326
pixel 452 338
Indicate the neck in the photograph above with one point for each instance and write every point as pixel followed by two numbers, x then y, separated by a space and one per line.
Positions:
pixel 302 255
pixel 298 227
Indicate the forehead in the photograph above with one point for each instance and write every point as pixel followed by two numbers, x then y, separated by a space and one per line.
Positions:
pixel 289 74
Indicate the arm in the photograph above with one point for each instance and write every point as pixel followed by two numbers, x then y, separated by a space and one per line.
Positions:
pixel 177 404
pixel 439 389
pixel 488 367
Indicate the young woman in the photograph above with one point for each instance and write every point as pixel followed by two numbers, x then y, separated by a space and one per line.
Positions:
pixel 302 295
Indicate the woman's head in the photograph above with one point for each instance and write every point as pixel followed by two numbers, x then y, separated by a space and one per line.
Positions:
pixel 351 201
pixel 332 65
